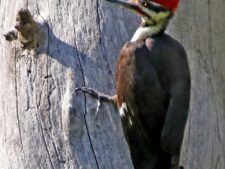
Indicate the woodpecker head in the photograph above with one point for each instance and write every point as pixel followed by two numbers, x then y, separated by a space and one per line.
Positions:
pixel 155 13
pixel 172 5
pixel 149 9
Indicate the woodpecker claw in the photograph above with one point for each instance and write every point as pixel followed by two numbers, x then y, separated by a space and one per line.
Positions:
pixel 99 96
pixel 99 104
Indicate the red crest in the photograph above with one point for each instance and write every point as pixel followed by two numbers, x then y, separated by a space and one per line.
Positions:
pixel 170 4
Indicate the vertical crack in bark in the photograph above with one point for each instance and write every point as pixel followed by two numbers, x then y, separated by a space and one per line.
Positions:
pixel 210 41
pixel 49 92
pixel 27 4
pixel 27 88
pixel 210 46
pixel 217 162
pixel 10 163
pixel 180 21
pixel 43 135
pixel 101 42
pixel 7 150
pixel 188 140
pixel 44 139
pixel 17 108
pixel 218 125
pixel 5 140
pixel 48 133
pixel 55 148
pixel 85 102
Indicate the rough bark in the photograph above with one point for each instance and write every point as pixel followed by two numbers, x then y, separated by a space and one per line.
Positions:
pixel 44 124
pixel 200 27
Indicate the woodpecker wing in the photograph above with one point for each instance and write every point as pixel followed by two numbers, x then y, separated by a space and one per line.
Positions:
pixel 142 116
pixel 170 62
pixel 179 93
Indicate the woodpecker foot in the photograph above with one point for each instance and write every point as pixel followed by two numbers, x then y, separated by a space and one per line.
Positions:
pixel 98 95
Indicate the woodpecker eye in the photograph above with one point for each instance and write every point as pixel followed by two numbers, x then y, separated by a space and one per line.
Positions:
pixel 144 3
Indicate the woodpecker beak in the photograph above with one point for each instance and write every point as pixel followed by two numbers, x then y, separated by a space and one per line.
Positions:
pixel 132 5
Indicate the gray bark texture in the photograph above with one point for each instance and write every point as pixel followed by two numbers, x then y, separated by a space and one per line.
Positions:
pixel 44 124
pixel 200 27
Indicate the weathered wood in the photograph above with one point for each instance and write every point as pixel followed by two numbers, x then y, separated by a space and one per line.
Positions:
pixel 200 26
pixel 44 124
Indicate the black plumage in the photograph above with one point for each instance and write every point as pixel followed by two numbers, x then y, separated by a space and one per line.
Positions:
pixel 153 80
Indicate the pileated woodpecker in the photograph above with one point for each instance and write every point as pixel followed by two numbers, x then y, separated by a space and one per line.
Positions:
pixel 152 87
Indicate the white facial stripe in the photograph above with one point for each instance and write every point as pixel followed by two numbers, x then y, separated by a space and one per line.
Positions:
pixel 144 32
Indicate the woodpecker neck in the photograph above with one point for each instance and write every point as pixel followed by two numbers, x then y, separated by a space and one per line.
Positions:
pixel 154 26
pixel 145 32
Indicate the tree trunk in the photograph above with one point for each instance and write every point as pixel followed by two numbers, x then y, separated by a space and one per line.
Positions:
pixel 200 27
pixel 45 124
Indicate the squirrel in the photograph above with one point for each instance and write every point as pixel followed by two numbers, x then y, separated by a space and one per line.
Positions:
pixel 27 31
